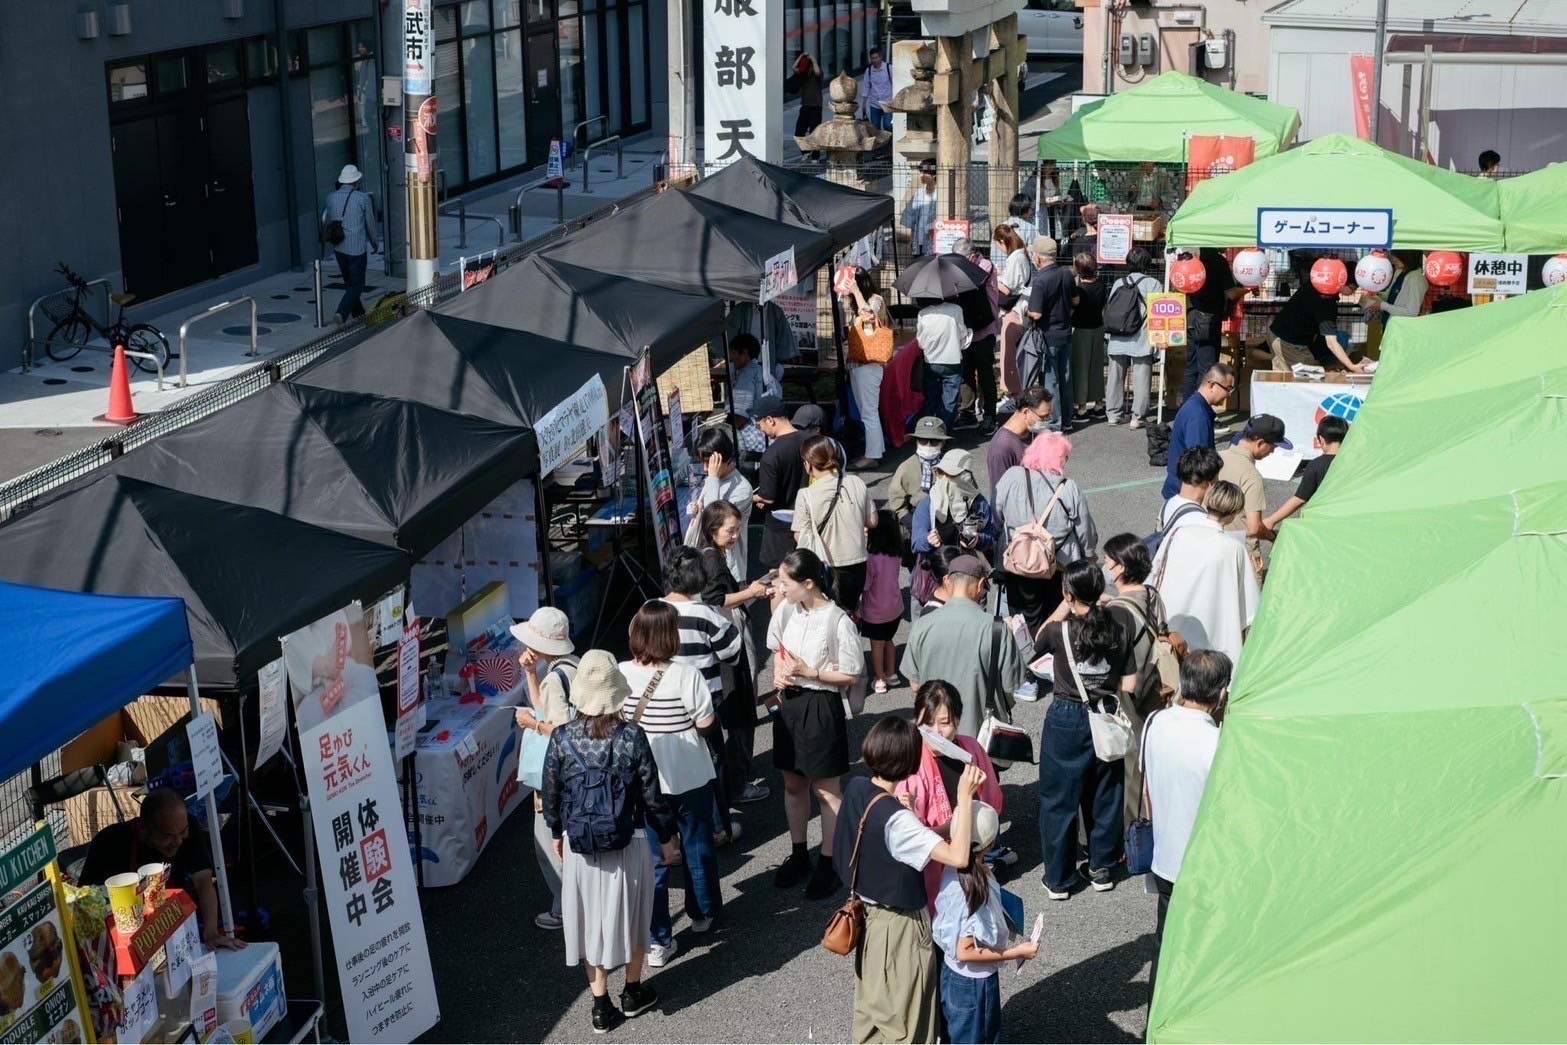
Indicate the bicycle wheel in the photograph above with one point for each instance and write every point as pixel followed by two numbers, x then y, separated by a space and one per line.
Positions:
pixel 144 337
pixel 67 338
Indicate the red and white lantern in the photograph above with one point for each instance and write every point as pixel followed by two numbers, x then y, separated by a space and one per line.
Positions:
pixel 1187 275
pixel 1555 271
pixel 1444 268
pixel 1374 272
pixel 1329 275
pixel 1250 267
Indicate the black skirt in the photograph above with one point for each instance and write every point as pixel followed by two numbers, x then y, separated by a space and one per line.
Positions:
pixel 880 632
pixel 811 734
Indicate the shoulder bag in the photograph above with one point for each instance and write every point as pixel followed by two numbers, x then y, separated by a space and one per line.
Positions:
pixel 846 927
pixel 332 232
pixel 870 341
pixel 1111 730
pixel 1139 833
pixel 1032 550
pixel 647 695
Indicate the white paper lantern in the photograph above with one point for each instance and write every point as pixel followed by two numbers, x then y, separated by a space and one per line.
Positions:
pixel 1374 272
pixel 1555 271
pixel 1250 267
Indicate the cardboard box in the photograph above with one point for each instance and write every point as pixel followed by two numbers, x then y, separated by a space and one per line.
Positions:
pixel 155 716
pixel 91 811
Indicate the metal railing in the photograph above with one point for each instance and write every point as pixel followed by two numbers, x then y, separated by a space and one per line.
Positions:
pixel 462 217
pixel 32 318
pixel 208 314
pixel 576 149
pixel 620 166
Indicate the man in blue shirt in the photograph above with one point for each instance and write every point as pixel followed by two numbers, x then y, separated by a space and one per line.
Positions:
pixel 1193 424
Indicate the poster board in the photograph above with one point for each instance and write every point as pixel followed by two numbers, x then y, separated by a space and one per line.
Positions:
pixel 655 449
pixel 1115 238
pixel 799 308
pixel 38 967
pixel 1166 320
pixel 945 233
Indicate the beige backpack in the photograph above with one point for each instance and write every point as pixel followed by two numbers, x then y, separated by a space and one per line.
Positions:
pixel 1032 550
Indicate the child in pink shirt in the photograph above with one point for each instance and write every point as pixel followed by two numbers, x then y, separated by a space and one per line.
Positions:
pixel 881 604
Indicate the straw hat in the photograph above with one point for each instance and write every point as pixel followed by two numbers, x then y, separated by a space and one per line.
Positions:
pixel 599 688
pixel 548 632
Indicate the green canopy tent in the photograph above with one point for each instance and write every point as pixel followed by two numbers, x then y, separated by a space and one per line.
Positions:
pixel 1150 123
pixel 1433 209
pixel 1534 211
pixel 1379 851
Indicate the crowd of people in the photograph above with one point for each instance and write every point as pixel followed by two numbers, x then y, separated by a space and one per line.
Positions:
pixel 1009 593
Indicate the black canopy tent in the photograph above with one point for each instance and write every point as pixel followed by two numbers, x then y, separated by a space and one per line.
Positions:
pixel 785 195
pixel 692 244
pixel 248 576
pixel 509 376
pixel 592 309
pixel 386 470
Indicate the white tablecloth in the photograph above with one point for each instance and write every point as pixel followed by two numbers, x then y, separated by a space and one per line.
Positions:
pixel 466 762
pixel 1302 404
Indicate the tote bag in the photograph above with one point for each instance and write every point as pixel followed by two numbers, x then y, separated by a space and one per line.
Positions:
pixel 1111 730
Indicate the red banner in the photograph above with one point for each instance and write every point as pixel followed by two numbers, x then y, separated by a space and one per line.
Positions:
pixel 1362 75
pixel 1210 155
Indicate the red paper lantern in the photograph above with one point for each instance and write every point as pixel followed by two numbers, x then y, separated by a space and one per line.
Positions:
pixel 1555 271
pixel 1187 275
pixel 1374 272
pixel 1250 267
pixel 1444 268
pixel 1329 275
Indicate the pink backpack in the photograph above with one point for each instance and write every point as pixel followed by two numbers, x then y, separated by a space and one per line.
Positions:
pixel 1032 550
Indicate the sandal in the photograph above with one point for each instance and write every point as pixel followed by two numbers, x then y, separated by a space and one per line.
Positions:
pixel 879 686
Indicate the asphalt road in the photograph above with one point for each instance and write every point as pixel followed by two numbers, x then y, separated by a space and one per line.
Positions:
pixel 763 975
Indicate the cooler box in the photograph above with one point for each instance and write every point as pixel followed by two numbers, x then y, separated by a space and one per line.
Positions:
pixel 250 987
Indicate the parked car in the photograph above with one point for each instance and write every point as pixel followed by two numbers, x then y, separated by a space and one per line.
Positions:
pixel 1052 27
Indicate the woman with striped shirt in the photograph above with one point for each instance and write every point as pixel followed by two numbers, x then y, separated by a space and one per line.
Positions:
pixel 672 705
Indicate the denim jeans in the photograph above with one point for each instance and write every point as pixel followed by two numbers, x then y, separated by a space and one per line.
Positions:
pixel 694 817
pixel 353 267
pixel 1072 782
pixel 972 1007
pixel 1058 380
pixel 879 118
pixel 943 384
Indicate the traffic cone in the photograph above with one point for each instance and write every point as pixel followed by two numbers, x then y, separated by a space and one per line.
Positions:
pixel 121 412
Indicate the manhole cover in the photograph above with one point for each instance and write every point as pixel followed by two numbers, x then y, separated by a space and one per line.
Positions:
pixel 245 331
pixel 83 369
pixel 47 431
pixel 285 297
pixel 279 317
pixel 54 380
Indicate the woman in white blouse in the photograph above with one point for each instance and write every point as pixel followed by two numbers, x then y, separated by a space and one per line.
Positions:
pixel 1407 293
pixel 818 657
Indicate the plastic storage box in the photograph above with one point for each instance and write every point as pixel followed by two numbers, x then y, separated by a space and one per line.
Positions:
pixel 250 987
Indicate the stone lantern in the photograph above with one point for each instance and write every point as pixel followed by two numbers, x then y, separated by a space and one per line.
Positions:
pixel 843 138
pixel 919 106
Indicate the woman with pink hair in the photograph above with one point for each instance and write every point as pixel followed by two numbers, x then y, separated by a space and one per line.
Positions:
pixel 1028 493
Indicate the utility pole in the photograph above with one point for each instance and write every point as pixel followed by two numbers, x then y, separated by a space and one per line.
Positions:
pixel 682 84
pixel 419 154
pixel 1376 73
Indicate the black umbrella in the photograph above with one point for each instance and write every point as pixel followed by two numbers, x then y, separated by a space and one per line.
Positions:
pixel 941 276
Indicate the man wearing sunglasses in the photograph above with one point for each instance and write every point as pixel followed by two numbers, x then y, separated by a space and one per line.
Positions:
pixel 1193 424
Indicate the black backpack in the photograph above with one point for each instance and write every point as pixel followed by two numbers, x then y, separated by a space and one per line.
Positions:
pixel 1153 540
pixel 596 807
pixel 1127 309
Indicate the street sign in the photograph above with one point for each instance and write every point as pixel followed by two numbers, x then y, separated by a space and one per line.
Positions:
pixel 1498 273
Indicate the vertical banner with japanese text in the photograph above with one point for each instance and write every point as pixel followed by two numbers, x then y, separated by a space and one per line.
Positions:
pixel 655 448
pixel 367 871
pixel 1362 75
pixel 742 90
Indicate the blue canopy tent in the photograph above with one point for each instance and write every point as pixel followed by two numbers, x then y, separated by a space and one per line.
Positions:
pixel 75 660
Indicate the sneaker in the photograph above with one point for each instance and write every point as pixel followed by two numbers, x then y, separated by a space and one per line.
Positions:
pixel 1027 692
pixel 1058 894
pixel 753 793
pixel 988 426
pixel 824 880
pixel 860 464
pixel 701 925
pixel 636 999
pixel 792 872
pixel 1006 406
pixel 1002 855
pixel 1137 422
pixel 1113 421
pixel 548 920
pixel 606 1017
pixel 1100 880
pixel 879 686
pixel 896 682
pixel 658 954
pixel 728 837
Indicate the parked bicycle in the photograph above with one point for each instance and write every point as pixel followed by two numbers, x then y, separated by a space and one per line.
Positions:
pixel 72 333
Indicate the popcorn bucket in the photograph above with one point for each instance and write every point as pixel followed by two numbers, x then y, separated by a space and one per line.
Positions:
pixel 125 902
pixel 153 877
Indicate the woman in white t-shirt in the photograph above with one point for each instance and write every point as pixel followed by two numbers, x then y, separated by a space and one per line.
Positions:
pixel 883 850
pixel 818 657
pixel 1017 272
pixel 671 703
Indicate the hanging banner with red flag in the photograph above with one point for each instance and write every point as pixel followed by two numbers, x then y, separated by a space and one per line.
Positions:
pixel 1210 155
pixel 1362 75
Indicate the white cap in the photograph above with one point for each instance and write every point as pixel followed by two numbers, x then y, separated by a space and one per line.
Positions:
pixel 548 631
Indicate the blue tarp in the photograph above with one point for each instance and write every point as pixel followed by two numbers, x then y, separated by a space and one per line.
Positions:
pixel 76 659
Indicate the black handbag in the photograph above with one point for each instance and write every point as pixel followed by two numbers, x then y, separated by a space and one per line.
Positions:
pixel 1202 327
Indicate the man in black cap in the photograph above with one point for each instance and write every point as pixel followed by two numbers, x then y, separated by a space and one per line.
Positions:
pixel 1263 434
pixel 911 482
pixel 781 475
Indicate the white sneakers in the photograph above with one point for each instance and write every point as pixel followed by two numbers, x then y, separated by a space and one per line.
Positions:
pixel 659 954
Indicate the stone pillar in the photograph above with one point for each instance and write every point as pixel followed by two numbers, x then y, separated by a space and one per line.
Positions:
pixel 1004 157
pixel 954 123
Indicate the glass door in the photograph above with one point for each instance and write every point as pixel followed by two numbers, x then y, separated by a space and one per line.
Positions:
pixel 543 93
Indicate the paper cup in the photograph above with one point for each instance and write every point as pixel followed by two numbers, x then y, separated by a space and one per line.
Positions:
pixel 125 901
pixel 152 877
pixel 239 1029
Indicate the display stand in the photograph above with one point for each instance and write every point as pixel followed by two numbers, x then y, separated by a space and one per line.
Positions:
pixel 641 579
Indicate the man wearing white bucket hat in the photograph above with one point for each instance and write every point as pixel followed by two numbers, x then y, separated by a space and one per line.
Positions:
pixel 349 227
pixel 548 667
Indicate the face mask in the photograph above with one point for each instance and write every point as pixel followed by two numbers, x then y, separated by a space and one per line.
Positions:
pixel 928 453
pixel 1041 426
